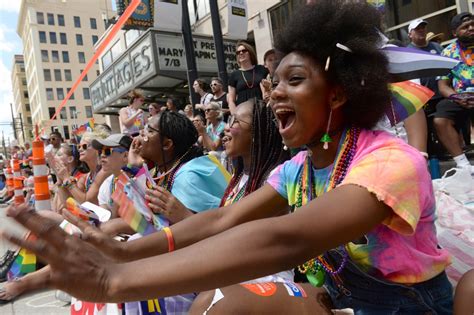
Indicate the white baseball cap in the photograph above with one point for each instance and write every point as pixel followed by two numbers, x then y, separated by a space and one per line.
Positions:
pixel 415 23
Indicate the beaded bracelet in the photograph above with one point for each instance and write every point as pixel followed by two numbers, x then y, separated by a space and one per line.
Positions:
pixel 169 237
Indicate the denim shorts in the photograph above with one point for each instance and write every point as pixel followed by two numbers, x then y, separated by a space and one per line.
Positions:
pixel 368 295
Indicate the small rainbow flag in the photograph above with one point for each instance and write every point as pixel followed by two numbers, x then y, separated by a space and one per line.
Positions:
pixel 88 126
pixel 24 263
pixel 407 98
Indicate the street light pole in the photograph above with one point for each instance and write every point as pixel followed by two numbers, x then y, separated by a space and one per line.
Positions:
pixel 216 27
pixel 13 122
pixel 22 129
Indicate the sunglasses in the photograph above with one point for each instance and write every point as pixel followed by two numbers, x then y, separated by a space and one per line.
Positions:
pixel 242 51
pixel 215 84
pixel 84 146
pixel 233 119
pixel 147 129
pixel 108 151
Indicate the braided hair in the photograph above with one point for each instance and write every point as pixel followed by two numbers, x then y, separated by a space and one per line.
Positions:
pixel 266 151
pixel 184 135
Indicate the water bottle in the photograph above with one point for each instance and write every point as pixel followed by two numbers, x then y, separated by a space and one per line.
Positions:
pixel 434 167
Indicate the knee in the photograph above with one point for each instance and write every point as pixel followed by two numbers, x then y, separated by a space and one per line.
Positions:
pixel 441 123
pixel 202 302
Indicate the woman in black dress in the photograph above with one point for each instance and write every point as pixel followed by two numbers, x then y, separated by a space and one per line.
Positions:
pixel 244 84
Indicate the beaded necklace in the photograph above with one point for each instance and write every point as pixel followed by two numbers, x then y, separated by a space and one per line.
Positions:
pixel 237 193
pixel 245 79
pixel 167 179
pixel 316 268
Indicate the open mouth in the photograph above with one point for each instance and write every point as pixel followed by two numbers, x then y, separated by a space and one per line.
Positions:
pixel 226 139
pixel 285 117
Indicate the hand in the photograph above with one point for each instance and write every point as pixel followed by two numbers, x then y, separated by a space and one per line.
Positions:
pixel 139 111
pixel 266 84
pixel 134 157
pixel 163 202
pixel 61 171
pixel 199 127
pixel 77 267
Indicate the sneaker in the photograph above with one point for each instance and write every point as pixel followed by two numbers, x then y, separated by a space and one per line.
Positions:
pixel 63 296
pixel 5 264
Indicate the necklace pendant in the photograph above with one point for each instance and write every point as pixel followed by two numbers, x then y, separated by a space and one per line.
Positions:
pixel 316 279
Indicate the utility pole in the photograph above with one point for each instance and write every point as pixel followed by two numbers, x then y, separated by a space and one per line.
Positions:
pixel 189 49
pixel 13 122
pixel 22 129
pixel 218 42
pixel 4 147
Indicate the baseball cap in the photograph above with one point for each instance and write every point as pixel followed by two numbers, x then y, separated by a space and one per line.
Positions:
pixel 457 20
pixel 112 141
pixel 415 23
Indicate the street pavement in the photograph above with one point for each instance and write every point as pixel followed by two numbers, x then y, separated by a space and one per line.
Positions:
pixel 36 303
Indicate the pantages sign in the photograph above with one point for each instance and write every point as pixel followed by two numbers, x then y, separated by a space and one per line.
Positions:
pixel 156 53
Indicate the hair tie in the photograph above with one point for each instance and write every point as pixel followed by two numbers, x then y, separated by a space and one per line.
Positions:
pixel 343 47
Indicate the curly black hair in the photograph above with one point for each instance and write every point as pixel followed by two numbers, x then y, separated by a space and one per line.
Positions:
pixel 315 30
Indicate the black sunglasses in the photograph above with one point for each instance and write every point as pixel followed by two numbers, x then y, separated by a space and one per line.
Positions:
pixel 242 51
pixel 84 146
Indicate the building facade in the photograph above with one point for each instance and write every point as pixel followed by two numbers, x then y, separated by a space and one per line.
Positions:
pixel 21 103
pixel 58 38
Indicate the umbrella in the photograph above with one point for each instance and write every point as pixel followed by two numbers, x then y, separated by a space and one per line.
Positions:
pixel 407 98
pixel 408 63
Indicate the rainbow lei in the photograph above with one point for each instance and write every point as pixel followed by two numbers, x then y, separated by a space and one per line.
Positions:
pixel 316 268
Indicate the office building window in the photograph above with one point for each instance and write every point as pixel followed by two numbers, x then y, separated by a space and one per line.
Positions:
pixel 63 113
pixel 93 24
pixel 51 111
pixel 95 38
pixel 73 112
pixel 63 38
pixel 77 22
pixel 60 93
pixel 49 94
pixel 23 82
pixel 47 74
pixel 39 17
pixel 72 95
pixel 65 56
pixel 66 131
pixel 27 107
pixel 55 55
pixel 60 20
pixel 50 19
pixel 79 41
pixel 29 120
pixel 44 56
pixel 85 77
pixel 52 38
pixel 97 72
pixel 25 94
pixel 89 111
pixel 42 37
pixel 57 75
pixel 86 94
pixel 81 57
pixel 67 75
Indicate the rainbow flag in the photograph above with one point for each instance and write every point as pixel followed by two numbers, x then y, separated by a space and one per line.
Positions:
pixel 407 98
pixel 25 262
pixel 88 126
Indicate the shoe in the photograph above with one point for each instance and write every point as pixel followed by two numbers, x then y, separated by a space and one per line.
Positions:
pixel 6 263
pixel 63 296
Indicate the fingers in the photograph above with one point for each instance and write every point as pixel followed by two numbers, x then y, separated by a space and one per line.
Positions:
pixel 81 224
pixel 38 247
pixel 42 227
pixel 13 210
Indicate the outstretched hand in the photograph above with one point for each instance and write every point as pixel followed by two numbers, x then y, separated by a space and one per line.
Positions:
pixel 163 202
pixel 77 267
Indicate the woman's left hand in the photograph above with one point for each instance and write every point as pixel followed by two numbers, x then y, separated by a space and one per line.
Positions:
pixel 163 202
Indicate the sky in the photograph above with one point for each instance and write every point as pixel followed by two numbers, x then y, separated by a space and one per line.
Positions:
pixel 10 44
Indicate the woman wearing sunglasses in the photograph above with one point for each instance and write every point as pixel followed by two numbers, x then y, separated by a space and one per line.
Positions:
pixel 244 83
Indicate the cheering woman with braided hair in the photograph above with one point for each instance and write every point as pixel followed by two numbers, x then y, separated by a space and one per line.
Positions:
pixel 363 225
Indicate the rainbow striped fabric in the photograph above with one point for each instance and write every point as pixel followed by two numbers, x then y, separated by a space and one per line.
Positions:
pixel 25 262
pixel 407 98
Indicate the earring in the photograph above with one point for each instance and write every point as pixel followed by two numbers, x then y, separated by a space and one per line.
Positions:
pixel 326 138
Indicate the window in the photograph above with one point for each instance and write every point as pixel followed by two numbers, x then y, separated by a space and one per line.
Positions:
pixel 60 20
pixel 42 37
pixel 29 120
pixel 81 57
pixel 63 113
pixel 27 107
pixel 67 75
pixel 47 74
pixel 25 94
pixel 73 112
pixel 44 56
pixel 23 81
pixel 93 24
pixel 49 95
pixel 60 93
pixel 97 72
pixel 52 38
pixel 77 22
pixel 55 55
pixel 79 41
pixel 39 17
pixel 63 38
pixel 86 94
pixel 85 77
pixel 72 95
pixel 106 59
pixel 65 56
pixel 95 38
pixel 50 19
pixel 57 75
pixel 51 111
pixel 89 111
pixel 66 131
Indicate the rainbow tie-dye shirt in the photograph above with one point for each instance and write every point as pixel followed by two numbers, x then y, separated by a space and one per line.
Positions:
pixel 402 249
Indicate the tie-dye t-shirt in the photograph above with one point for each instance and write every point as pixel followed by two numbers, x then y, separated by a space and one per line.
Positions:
pixel 403 248
pixel 462 75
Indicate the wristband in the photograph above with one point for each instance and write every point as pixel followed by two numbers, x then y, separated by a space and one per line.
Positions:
pixel 169 237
